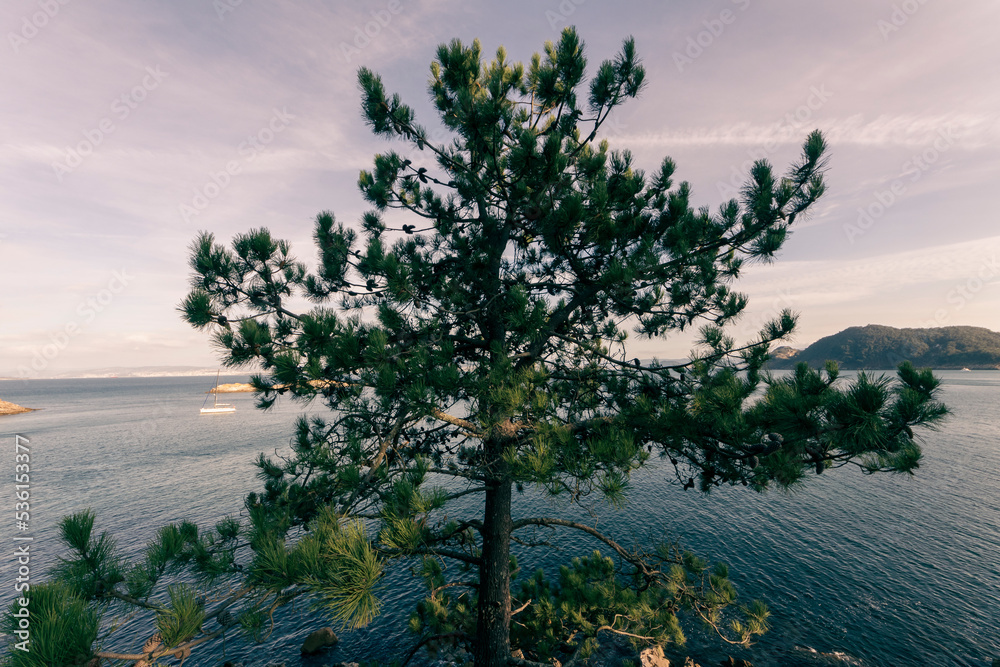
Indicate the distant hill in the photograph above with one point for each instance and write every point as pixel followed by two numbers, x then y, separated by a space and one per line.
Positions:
pixel 136 372
pixel 880 347
pixel 141 372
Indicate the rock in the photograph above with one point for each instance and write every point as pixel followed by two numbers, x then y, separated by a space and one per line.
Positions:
pixel 451 655
pixel 319 640
pixel 612 651
pixel 231 388
pixel 518 654
pixel 653 657
pixel 8 408
pixel 689 662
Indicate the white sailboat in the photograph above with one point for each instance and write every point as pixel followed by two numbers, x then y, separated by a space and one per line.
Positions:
pixel 217 408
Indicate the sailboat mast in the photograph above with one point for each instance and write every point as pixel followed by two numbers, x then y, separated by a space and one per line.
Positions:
pixel 216 392
pixel 217 408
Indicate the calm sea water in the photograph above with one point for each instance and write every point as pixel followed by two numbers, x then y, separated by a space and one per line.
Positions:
pixel 857 570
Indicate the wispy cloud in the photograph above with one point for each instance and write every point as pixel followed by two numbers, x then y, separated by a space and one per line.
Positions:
pixel 967 130
pixel 836 280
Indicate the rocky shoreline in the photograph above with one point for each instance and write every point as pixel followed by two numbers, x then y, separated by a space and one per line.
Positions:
pixel 8 408
pixel 231 388
pixel 244 387
pixel 613 651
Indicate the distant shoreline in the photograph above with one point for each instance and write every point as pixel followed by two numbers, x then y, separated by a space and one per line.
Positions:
pixel 244 387
pixel 770 366
pixel 122 374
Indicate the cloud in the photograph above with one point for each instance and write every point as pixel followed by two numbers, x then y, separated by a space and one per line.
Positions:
pixel 226 74
pixel 821 282
pixel 967 131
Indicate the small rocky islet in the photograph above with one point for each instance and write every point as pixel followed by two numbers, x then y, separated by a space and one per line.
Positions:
pixel 8 408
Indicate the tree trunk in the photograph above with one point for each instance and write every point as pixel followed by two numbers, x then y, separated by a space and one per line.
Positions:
pixel 493 621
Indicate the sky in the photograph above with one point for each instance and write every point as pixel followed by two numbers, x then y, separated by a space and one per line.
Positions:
pixel 128 127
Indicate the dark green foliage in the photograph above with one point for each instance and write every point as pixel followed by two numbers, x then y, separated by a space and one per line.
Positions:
pixel 182 618
pixel 591 597
pixel 63 627
pixel 95 565
pixel 880 347
pixel 869 423
pixel 94 578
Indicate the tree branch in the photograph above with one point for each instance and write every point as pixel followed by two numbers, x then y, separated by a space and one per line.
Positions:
pixel 627 555
pixel 428 551
pixel 471 428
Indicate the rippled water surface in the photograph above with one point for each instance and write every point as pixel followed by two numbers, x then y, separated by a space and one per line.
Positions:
pixel 864 570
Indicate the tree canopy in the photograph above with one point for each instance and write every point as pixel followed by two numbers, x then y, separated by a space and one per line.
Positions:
pixel 471 336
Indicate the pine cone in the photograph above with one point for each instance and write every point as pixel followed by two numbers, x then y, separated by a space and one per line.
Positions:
pixel 226 618
pixel 152 643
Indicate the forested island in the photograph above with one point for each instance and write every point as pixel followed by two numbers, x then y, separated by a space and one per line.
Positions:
pixel 880 347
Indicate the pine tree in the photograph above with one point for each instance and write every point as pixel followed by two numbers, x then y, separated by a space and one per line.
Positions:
pixel 480 345
pixel 470 340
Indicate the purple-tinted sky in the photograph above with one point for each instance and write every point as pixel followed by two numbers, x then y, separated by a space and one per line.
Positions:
pixel 119 120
